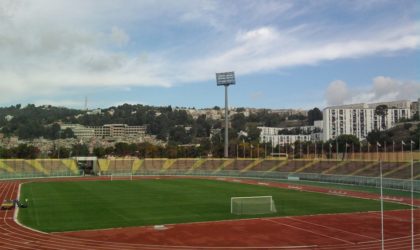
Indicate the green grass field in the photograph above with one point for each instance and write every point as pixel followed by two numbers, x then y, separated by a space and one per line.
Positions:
pixel 67 206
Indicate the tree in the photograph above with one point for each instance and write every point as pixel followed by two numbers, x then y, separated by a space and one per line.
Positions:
pixel 344 142
pixel 26 152
pixel 378 136
pixel 382 111
pixel 80 150
pixel 314 115
pixel 238 122
pixel 254 133
pixel 123 149
pixel 67 133
pixel 99 152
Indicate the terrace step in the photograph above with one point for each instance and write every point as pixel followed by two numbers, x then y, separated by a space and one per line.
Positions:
pixel 104 164
pixel 137 163
pixel 396 169
pixel 37 166
pixel 4 166
pixel 363 169
pixel 251 165
pixel 225 164
pixel 70 164
pixel 168 164
pixel 279 165
pixel 334 167
pixel 196 165
pixel 307 165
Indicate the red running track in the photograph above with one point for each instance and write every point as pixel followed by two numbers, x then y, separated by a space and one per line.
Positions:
pixel 336 231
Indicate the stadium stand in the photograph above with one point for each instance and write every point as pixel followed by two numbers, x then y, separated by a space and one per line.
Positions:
pixel 319 167
pixel 264 165
pixel 183 164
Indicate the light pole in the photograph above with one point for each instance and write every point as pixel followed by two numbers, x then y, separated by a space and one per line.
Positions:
pixel 226 79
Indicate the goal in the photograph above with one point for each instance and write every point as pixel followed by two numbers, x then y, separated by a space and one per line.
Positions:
pixel 121 176
pixel 252 205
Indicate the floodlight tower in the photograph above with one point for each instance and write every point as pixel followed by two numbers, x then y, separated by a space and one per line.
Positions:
pixel 226 79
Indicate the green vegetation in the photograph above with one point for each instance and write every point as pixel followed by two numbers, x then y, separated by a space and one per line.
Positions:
pixel 65 206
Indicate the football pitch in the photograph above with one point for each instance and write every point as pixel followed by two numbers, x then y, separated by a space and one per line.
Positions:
pixel 72 206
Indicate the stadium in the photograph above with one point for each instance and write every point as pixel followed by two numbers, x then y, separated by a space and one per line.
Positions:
pixel 207 203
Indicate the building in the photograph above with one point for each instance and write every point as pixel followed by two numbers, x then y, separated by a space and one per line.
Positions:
pixel 360 119
pixel 119 130
pixel 271 135
pixel 107 130
pixel 284 139
pixel 79 131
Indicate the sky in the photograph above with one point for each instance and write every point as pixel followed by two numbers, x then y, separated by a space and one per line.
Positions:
pixel 285 53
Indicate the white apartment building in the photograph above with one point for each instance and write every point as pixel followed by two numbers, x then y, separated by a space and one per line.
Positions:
pixel 271 135
pixel 360 119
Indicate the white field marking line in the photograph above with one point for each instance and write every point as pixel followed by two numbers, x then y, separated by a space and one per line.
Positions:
pixel 51 241
pixel 390 216
pixel 292 187
pixel 263 183
pixel 251 181
pixel 138 245
pixel 275 247
pixel 21 235
pixel 178 246
pixel 17 212
pixel 333 228
pixel 310 231
pixel 399 247
pixel 9 187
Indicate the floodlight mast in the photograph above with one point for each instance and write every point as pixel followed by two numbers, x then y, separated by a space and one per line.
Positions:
pixel 226 79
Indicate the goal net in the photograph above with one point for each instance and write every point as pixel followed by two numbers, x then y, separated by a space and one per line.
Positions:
pixel 252 205
pixel 121 176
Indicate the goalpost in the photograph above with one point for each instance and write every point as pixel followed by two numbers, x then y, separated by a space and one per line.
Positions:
pixel 121 176
pixel 252 205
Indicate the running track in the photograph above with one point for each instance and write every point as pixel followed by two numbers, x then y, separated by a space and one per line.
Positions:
pixel 339 231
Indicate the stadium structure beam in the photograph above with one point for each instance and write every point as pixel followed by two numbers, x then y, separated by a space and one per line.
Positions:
pixel 226 79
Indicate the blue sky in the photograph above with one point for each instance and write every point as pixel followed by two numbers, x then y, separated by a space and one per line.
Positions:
pixel 286 54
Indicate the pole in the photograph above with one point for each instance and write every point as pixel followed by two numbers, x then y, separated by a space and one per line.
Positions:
pixel 279 148
pixel 330 151
pixel 250 149
pixel 412 197
pixel 386 155
pixel 226 123
pixel 307 150
pixel 402 151
pixel 272 148
pixel 336 149
pixel 382 207
pixel 265 150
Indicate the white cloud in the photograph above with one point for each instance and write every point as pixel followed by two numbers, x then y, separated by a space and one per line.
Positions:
pixel 382 89
pixel 119 36
pixel 337 93
pixel 49 47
